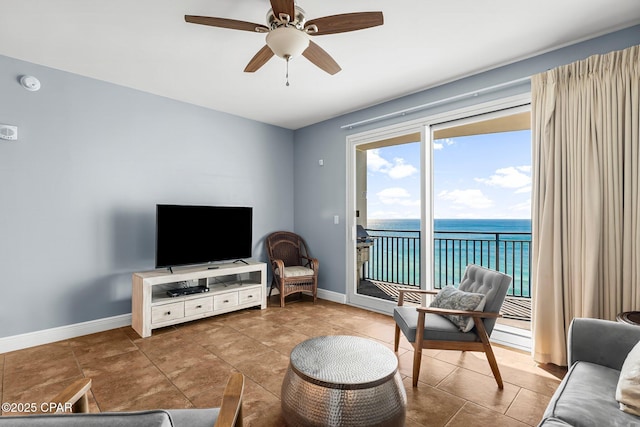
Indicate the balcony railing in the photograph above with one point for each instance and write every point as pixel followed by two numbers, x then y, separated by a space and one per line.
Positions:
pixel 394 257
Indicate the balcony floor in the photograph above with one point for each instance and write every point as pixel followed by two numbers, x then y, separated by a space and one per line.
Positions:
pixel 516 311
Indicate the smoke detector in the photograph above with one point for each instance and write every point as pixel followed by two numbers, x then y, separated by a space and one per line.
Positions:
pixel 30 83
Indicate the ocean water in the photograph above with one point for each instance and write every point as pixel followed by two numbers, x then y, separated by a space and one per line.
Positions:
pixel 501 244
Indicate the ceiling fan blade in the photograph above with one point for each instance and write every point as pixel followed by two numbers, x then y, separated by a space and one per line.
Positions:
pixel 225 23
pixel 259 59
pixel 321 59
pixel 345 22
pixel 284 6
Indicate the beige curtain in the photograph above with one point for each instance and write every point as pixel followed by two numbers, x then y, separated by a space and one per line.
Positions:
pixel 586 212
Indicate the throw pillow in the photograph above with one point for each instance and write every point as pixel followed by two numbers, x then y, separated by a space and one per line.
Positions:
pixel 628 390
pixel 451 298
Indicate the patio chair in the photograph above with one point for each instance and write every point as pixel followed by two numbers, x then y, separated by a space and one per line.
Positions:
pixel 474 307
pixel 293 268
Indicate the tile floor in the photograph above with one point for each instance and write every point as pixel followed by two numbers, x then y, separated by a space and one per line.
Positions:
pixel 188 365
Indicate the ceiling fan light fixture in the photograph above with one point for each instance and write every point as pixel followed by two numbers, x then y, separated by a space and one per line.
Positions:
pixel 287 42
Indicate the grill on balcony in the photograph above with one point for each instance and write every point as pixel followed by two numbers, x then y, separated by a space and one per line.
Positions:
pixel 393 262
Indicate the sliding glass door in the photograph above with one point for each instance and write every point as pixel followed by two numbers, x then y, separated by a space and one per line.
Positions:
pixel 413 187
pixel 387 215
pixel 482 203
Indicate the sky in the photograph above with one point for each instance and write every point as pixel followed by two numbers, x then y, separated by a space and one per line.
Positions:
pixel 480 176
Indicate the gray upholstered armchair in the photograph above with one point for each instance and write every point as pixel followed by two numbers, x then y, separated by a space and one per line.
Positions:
pixel 434 327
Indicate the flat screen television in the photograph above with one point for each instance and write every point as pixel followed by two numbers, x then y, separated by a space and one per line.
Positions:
pixel 202 234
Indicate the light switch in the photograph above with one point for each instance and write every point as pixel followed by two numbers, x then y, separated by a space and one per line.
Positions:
pixel 336 219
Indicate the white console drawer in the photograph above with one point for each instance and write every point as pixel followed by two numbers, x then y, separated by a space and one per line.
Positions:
pixel 198 305
pixel 247 296
pixel 223 301
pixel 166 312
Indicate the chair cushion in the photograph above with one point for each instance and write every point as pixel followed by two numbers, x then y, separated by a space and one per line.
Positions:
pixel 105 419
pixel 296 271
pixel 436 327
pixel 451 298
pixel 628 388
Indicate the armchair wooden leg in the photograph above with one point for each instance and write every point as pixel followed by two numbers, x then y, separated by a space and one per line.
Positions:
pixel 494 366
pixel 417 358
pixel 396 339
pixel 417 347
pixel 488 350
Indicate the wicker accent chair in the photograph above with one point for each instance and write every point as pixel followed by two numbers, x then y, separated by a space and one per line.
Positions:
pixel 293 268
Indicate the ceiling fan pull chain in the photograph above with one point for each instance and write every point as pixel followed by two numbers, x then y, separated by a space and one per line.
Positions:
pixel 287 76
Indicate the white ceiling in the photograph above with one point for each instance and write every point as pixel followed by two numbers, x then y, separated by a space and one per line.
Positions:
pixel 146 45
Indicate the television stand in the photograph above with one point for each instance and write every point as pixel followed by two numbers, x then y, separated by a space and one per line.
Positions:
pixel 231 287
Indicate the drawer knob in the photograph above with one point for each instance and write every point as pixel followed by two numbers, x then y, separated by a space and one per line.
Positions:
pixel 250 296
pixel 225 301
pixel 168 313
pixel 198 306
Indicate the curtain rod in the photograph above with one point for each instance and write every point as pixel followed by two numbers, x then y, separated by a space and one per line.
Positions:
pixel 434 103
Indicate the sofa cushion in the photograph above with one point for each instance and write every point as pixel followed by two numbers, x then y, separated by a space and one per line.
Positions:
pixel 451 298
pixel 194 417
pixel 586 398
pixel 553 422
pixel 628 390
pixel 105 419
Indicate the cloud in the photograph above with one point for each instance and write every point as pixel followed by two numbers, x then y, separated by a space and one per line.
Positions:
pixel 393 214
pixel 401 170
pixel 375 162
pixel 396 170
pixel 396 196
pixel 524 206
pixel 510 177
pixel 467 198
pixel 439 144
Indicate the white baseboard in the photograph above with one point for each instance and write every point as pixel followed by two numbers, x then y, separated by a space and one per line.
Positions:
pixel 512 337
pixel 332 296
pixel 322 294
pixel 46 336
pixel 32 339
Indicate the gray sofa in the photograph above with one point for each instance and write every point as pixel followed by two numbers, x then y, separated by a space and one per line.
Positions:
pixel 586 396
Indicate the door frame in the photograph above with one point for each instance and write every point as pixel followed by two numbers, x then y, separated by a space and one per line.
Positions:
pixel 425 126
pixel 353 141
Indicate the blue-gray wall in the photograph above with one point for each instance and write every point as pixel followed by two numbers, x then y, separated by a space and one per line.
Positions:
pixel 78 189
pixel 320 192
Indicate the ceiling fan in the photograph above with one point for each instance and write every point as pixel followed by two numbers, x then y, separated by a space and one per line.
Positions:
pixel 289 33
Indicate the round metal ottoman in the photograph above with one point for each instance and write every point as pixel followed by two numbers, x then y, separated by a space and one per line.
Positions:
pixel 343 381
